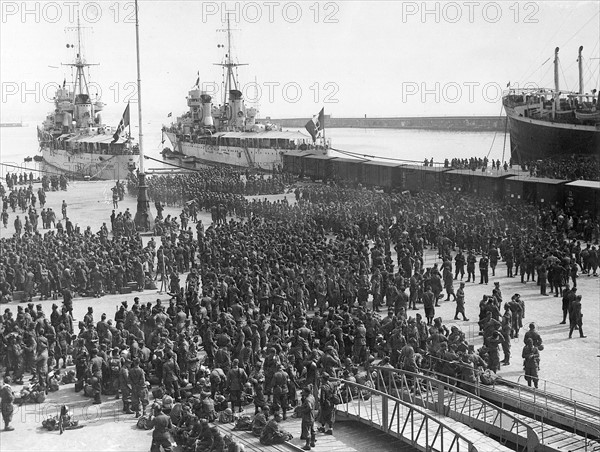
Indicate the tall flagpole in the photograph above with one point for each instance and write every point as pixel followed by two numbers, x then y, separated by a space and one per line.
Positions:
pixel 143 217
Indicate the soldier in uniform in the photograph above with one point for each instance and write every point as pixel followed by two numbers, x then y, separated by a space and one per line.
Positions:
pixel 326 405
pixel 460 261
pixel 95 369
pixel 460 302
pixel 125 385
pixel 576 317
pixel 483 269
pixel 139 391
pixel 306 410
pixel 471 259
pixel 114 366
pixel 280 389
pixel 161 436
pixel 7 398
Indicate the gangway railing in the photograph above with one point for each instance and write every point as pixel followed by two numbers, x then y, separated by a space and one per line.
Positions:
pixel 463 405
pixel 410 423
pixel 543 410
pixel 574 403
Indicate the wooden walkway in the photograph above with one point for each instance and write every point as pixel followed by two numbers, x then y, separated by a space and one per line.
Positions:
pixel 251 443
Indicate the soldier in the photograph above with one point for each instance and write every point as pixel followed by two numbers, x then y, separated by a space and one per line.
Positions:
pixel 506 334
pixel 95 370
pixel 161 436
pixel 576 317
pixel 306 410
pixel 471 259
pixel 7 398
pixel 237 378
pixel 531 362
pixel 125 385
pixel 139 390
pixel 280 389
pixel 326 405
pixel 114 366
pixel 460 261
pixel 429 305
pixel 483 269
pixel 460 302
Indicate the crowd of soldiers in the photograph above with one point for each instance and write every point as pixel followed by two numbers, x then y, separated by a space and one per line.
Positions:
pixel 569 167
pixel 284 297
pixel 174 190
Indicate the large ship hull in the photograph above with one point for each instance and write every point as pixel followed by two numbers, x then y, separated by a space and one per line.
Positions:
pixel 260 158
pixel 83 165
pixel 532 139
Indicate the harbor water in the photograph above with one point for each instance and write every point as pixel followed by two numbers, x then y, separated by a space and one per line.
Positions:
pixel 17 143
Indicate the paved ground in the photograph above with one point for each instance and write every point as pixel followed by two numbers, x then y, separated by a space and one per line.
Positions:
pixel 569 366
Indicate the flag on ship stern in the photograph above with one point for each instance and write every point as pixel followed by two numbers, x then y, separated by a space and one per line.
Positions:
pixel 124 123
pixel 316 124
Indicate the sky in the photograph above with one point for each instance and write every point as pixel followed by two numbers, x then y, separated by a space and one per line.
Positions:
pixel 353 58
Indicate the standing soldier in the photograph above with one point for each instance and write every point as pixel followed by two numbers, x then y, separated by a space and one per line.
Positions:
pixel 237 378
pixel 96 372
pixel 471 259
pixel 125 386
pixel 506 333
pixel 494 256
pixel 531 362
pixel 161 436
pixel 306 410
pixel 576 317
pixel 459 260
pixel 7 398
pixel 114 365
pixel 64 209
pixel 326 405
pixel 483 269
pixel 460 302
pixel 139 391
pixel 280 389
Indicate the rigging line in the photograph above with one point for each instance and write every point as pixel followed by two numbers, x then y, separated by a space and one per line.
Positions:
pixel 495 133
pixel 534 70
pixel 171 164
pixel 563 76
pixel 368 156
pixel 504 145
pixel 28 169
pixel 581 28
pixel 541 52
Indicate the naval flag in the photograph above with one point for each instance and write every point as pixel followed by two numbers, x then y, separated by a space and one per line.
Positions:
pixel 124 123
pixel 316 124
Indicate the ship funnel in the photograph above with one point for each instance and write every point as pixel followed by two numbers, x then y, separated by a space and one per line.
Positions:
pixel 580 61
pixel 237 111
pixel 207 119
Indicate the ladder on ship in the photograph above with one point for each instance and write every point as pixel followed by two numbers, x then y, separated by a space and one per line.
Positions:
pixel 248 157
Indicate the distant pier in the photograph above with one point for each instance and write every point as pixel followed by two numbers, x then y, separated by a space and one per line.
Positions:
pixel 451 123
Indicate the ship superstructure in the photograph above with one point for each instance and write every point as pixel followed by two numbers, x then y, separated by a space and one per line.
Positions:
pixel 547 122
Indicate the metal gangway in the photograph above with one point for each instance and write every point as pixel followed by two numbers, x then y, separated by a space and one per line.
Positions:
pixel 469 403
pixel 424 429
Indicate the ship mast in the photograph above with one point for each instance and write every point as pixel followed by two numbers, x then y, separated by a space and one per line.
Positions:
pixel 230 80
pixel 79 64
pixel 556 103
